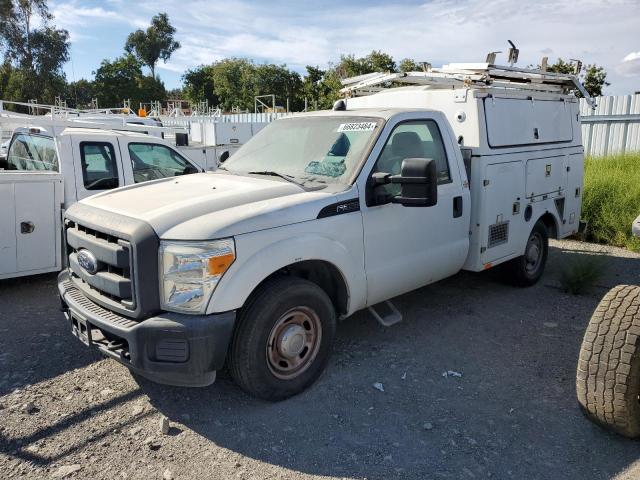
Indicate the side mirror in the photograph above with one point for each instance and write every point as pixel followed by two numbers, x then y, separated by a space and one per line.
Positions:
pixel 223 157
pixel 189 169
pixel 418 181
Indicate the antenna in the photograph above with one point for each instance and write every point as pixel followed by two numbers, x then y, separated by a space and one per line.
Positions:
pixel 513 53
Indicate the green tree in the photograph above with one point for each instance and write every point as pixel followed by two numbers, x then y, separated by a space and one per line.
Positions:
pixel 381 62
pixel 234 83
pixel 36 55
pixel 279 81
pixel 322 87
pixel 116 80
pixel 409 65
pixel 153 44
pixel 592 76
pixel 376 61
pixel 149 88
pixel 313 87
pixel 331 86
pixel 199 86
pixel 594 80
pixel 80 93
pixel 122 79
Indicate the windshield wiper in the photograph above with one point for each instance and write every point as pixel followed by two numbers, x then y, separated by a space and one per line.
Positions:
pixel 288 178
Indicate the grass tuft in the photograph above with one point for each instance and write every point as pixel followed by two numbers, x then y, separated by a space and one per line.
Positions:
pixel 580 274
pixel 612 199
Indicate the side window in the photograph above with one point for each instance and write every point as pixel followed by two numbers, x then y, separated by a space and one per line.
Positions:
pixel 415 139
pixel 152 161
pixel 99 168
pixel 32 153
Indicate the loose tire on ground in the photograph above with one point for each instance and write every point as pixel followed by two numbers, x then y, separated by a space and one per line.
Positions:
pixel 608 377
pixel 527 269
pixel 266 358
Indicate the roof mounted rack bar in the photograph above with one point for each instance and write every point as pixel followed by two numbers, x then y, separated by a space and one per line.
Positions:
pixel 469 75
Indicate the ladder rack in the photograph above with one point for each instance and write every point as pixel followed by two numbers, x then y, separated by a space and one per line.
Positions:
pixel 468 75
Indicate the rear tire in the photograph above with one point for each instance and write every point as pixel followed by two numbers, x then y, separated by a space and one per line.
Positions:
pixel 283 339
pixel 526 270
pixel 608 376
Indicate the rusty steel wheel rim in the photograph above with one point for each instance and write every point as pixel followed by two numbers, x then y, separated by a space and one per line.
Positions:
pixel 293 343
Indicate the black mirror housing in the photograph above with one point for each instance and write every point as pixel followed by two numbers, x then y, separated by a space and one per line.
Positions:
pixel 418 181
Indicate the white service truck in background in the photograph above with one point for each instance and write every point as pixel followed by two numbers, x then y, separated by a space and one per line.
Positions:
pixel 321 215
pixel 42 175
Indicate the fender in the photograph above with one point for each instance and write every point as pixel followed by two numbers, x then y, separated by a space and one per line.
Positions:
pixel 247 273
pixel 538 214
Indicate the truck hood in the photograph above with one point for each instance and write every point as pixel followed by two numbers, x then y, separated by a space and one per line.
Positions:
pixel 212 205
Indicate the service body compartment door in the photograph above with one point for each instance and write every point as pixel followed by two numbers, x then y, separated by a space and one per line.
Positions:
pixel 546 176
pixel 573 194
pixel 502 205
pixel 8 231
pixel 513 122
pixel 36 201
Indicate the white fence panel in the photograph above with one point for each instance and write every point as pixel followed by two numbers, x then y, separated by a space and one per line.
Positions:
pixel 613 126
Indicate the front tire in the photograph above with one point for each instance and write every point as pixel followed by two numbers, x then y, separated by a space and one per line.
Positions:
pixel 608 376
pixel 283 339
pixel 527 269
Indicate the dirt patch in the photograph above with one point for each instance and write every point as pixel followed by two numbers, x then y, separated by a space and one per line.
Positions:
pixel 476 382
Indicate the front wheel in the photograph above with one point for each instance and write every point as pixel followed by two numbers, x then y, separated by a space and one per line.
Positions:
pixel 527 269
pixel 283 339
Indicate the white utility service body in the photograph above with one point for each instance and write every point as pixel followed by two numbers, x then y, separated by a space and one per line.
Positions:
pixel 316 217
pixel 524 149
pixel 73 165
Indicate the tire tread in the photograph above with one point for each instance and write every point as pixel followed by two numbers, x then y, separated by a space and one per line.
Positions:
pixel 608 372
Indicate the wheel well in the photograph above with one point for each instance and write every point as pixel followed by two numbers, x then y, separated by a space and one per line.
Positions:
pixel 550 223
pixel 323 274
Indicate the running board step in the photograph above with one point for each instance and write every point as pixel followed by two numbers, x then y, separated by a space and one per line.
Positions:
pixel 386 313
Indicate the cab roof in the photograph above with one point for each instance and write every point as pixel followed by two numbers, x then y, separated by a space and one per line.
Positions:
pixel 383 113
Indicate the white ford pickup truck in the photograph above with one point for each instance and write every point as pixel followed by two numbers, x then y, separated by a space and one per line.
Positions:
pixel 316 217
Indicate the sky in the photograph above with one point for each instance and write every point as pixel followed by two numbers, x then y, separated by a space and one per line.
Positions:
pixel 303 32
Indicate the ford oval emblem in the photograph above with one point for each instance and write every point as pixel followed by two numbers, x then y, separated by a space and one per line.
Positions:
pixel 88 261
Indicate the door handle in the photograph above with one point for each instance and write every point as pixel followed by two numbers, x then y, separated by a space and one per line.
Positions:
pixel 457 207
pixel 26 227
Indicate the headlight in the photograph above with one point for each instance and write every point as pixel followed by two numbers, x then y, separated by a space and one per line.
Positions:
pixel 190 271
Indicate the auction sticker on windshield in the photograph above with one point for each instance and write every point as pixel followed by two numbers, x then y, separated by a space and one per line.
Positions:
pixel 357 127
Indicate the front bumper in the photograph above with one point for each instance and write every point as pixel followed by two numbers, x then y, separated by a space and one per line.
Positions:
pixel 170 348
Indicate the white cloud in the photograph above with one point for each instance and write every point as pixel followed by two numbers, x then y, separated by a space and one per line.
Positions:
pixel 630 65
pixel 316 33
pixel 631 57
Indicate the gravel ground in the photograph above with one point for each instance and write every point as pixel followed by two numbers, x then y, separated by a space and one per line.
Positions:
pixel 67 413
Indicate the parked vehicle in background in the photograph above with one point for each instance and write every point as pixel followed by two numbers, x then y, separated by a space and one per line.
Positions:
pixel 4 147
pixel 44 174
pixel 321 215
pixel 608 376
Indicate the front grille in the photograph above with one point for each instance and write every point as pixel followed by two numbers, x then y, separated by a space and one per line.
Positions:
pixel 111 284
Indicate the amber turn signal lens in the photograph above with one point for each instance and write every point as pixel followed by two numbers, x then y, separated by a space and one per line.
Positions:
pixel 219 265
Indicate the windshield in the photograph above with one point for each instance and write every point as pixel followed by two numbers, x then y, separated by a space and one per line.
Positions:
pixel 308 149
pixel 32 152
